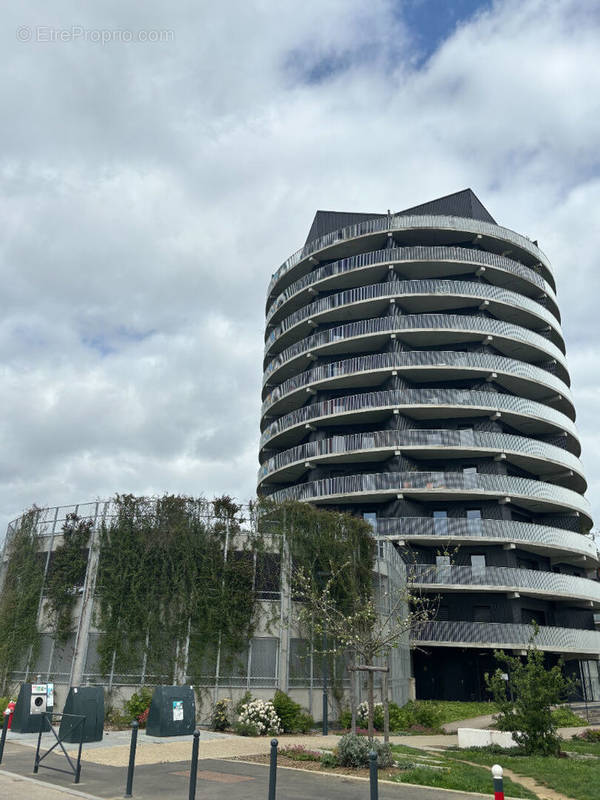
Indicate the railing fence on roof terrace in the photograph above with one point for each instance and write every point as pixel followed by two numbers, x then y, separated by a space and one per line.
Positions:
pixel 397 223
pixel 409 255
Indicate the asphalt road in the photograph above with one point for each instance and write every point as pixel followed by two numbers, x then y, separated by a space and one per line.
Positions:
pixel 217 780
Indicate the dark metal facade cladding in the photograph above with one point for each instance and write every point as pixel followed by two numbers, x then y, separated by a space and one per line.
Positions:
pixel 415 374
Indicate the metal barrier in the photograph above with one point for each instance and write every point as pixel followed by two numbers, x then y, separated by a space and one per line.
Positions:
pixel 74 768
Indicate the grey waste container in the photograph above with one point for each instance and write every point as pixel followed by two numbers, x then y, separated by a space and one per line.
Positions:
pixel 172 711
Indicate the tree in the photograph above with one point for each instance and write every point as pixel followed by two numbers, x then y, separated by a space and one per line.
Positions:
pixel 369 628
pixel 535 690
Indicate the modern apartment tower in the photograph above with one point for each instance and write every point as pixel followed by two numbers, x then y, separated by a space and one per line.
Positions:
pixel 415 374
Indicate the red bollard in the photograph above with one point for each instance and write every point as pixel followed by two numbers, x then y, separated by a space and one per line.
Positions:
pixel 11 709
pixel 497 773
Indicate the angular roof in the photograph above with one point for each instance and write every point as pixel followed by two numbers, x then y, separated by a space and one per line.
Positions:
pixel 459 204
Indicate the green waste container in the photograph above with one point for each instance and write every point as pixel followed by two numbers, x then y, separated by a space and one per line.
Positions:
pixel 172 711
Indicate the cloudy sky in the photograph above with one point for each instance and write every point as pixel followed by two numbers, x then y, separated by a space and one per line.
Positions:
pixel 150 188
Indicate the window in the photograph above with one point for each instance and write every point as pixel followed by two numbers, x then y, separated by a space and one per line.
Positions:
pixel 474 520
pixel 443 613
pixel 478 566
pixel 482 614
pixel 529 615
pixel 470 477
pixel 440 522
pixel 442 571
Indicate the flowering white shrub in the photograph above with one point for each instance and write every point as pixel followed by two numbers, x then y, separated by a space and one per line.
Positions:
pixel 261 716
pixel 362 711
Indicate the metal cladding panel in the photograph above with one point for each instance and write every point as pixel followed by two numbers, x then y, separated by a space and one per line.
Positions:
pixel 172 711
pixel 328 221
pixel 460 204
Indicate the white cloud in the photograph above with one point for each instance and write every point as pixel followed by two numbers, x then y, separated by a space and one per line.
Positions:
pixel 150 190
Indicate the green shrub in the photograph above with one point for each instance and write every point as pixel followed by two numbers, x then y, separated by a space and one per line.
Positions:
pixel 219 719
pixel 245 729
pixel 288 711
pixel 353 751
pixel 565 717
pixel 305 722
pixel 138 704
pixel 329 760
pixel 346 718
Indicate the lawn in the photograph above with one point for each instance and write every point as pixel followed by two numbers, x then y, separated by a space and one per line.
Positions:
pixel 576 778
pixel 452 710
pixel 436 769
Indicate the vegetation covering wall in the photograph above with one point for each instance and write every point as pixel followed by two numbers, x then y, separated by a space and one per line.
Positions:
pixel 177 582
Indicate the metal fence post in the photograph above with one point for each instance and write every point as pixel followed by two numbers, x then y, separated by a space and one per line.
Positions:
pixel 373 775
pixel 4 729
pixel 194 765
pixel 273 770
pixel 132 748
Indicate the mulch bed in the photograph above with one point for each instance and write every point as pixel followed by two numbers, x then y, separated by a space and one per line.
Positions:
pixel 315 766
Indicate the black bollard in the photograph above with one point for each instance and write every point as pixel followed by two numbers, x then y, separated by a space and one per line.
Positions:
pixel 273 770
pixel 4 729
pixel 132 748
pixel 194 765
pixel 373 775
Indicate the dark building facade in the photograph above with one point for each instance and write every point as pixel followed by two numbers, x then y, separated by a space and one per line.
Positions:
pixel 415 374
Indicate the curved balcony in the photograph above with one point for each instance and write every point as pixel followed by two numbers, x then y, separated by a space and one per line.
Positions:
pixel 411 228
pixel 526 416
pixel 418 330
pixel 516 377
pixel 530 582
pixel 413 263
pixel 536 496
pixel 539 458
pixel 539 539
pixel 507 636
pixel 415 296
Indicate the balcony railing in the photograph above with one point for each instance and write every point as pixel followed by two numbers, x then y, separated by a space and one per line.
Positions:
pixel 508 579
pixel 403 398
pixel 410 222
pixel 398 290
pixel 413 323
pixel 417 358
pixel 492 530
pixel 432 440
pixel 410 255
pixel 474 485
pixel 508 635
